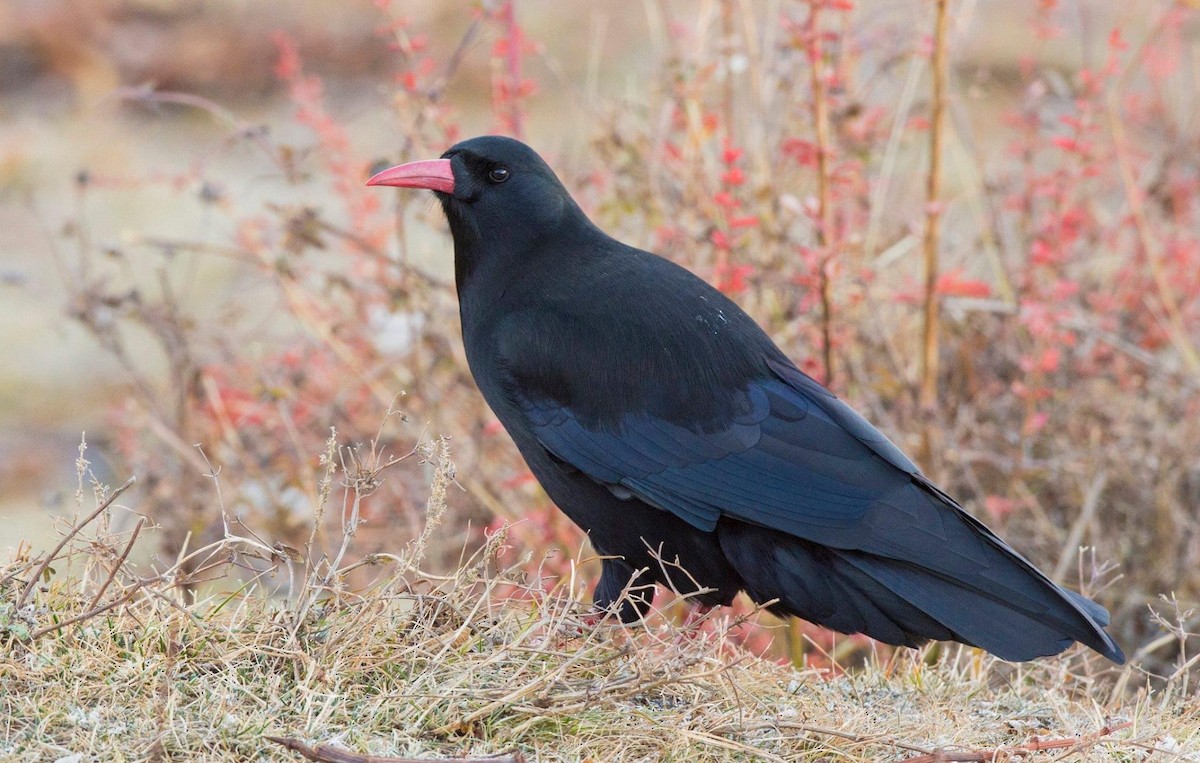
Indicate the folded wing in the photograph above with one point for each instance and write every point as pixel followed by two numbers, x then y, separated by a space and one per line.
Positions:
pixel 829 495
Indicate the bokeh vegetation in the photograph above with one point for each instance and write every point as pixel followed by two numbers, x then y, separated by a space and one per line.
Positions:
pixel 780 149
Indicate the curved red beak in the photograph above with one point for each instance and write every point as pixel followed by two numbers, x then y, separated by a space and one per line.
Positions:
pixel 434 174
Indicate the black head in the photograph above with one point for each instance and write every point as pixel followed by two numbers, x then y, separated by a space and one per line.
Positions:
pixel 502 188
pixel 501 199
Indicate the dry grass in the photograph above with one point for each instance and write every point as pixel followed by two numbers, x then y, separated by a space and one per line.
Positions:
pixel 784 166
pixel 109 661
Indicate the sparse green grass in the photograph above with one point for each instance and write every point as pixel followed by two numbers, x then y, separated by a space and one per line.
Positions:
pixel 385 659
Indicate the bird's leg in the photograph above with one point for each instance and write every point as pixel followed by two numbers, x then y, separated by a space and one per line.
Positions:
pixel 623 591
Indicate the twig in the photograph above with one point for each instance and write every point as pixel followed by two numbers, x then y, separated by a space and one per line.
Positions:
pixel 432 96
pixel 41 569
pixel 887 167
pixel 434 93
pixel 120 561
pixel 1073 744
pixel 1091 503
pixel 811 729
pixel 753 753
pixel 129 594
pixel 1176 327
pixel 325 753
pixel 146 94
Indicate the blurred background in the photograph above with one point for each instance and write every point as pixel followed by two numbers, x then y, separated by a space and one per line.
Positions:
pixel 192 273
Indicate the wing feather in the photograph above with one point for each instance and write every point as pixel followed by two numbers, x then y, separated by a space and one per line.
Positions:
pixel 797 460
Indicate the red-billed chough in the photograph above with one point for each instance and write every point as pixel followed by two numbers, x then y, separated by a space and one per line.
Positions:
pixel 662 420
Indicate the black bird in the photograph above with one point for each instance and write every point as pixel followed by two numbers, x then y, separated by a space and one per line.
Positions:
pixel 664 422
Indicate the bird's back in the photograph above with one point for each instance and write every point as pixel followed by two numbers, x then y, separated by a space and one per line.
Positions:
pixel 622 330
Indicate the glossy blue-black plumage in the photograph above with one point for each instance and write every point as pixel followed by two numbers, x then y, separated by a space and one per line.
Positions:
pixel 664 422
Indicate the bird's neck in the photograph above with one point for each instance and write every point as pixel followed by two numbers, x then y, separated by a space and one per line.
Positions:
pixel 490 269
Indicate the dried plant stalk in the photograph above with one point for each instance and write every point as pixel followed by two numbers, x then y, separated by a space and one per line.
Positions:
pixel 927 397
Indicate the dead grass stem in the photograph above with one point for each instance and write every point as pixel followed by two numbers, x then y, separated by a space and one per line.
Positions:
pixel 483 661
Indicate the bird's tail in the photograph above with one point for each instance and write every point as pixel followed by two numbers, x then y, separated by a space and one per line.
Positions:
pixel 908 602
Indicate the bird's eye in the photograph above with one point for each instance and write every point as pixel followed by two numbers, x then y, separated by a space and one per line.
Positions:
pixel 498 174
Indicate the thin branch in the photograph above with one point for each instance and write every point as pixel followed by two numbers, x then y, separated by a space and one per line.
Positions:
pixel 811 729
pixel 1176 327
pixel 324 753
pixel 256 134
pixel 41 569
pixel 112 573
pixel 432 96
pixel 88 615
pixel 1072 744
pixel 1091 503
